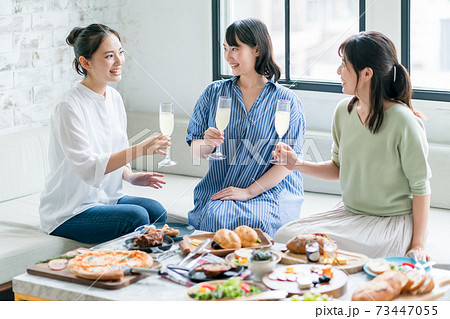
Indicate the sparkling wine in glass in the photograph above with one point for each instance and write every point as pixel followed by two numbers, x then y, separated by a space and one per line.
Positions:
pixel 222 119
pixel 166 122
pixel 282 117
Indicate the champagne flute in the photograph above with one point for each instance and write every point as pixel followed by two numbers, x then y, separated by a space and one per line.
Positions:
pixel 282 117
pixel 166 122
pixel 222 119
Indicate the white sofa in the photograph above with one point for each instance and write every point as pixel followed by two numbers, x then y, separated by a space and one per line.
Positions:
pixel 24 166
pixel 23 159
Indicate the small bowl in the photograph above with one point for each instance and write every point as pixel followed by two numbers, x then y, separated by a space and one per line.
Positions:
pixel 261 267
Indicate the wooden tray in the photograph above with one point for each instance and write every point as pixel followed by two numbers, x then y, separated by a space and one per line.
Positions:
pixel 355 261
pixel 336 287
pixel 65 275
pixel 186 246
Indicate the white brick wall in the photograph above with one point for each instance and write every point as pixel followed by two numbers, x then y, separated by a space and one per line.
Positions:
pixel 35 61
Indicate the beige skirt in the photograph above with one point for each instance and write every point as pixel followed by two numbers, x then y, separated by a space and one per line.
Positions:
pixel 372 236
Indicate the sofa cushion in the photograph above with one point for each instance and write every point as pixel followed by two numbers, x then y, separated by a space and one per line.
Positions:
pixel 24 162
pixel 22 241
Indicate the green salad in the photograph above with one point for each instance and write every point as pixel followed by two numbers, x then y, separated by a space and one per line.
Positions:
pixel 312 297
pixel 232 288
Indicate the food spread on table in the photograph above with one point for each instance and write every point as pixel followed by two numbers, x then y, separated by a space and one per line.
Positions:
pixel 308 282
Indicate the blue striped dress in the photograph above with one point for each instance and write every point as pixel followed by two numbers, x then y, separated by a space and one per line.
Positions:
pixel 250 139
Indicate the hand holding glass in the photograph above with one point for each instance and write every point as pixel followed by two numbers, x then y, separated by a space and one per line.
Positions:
pixel 166 123
pixel 282 117
pixel 222 119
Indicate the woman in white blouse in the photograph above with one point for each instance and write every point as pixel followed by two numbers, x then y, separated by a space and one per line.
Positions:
pixel 89 154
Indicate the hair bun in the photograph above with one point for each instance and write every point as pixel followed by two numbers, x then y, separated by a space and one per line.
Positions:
pixel 72 37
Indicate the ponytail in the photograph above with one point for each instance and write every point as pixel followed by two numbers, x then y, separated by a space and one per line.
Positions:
pixel 401 88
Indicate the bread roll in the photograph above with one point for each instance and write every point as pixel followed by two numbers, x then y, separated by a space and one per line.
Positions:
pixel 385 287
pixel 378 266
pixel 297 244
pixel 247 235
pixel 227 239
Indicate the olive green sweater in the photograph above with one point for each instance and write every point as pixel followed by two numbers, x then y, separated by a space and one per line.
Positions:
pixel 380 172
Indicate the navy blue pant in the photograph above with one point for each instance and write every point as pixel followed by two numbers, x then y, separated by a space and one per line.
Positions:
pixel 105 222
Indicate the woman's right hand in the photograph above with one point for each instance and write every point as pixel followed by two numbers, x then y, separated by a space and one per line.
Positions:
pixel 213 137
pixel 288 158
pixel 154 145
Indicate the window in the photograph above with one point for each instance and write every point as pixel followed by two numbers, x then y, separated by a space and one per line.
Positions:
pixel 317 30
pixel 306 35
pixel 269 11
pixel 430 44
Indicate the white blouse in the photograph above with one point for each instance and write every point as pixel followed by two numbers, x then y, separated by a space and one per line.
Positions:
pixel 85 129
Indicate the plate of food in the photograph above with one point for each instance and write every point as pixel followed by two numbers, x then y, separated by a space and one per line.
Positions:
pixel 225 241
pixel 239 257
pixel 175 230
pixel 152 242
pixel 208 271
pixel 308 278
pixel 231 289
pixel 379 265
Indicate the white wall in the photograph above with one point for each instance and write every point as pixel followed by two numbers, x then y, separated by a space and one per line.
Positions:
pixel 168 46
pixel 35 61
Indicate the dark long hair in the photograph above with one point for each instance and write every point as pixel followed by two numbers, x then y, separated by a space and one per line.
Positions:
pixel 85 41
pixel 253 32
pixel 390 80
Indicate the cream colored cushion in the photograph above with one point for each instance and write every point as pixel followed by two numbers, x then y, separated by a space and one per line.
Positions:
pixel 23 159
pixel 22 241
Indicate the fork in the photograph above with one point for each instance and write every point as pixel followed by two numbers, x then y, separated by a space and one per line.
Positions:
pixel 192 263
pixel 417 264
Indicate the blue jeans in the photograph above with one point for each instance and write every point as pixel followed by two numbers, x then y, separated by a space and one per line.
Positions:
pixel 105 222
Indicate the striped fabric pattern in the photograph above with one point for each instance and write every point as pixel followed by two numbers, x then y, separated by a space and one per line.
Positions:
pixel 250 139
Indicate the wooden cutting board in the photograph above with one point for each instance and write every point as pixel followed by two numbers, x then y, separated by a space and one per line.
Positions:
pixel 355 261
pixel 187 247
pixel 65 275
pixel 336 287
pixel 438 291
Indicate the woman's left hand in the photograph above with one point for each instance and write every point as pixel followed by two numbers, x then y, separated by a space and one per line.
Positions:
pixel 420 253
pixel 233 193
pixel 146 179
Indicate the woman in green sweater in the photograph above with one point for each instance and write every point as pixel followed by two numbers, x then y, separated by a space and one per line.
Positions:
pixel 379 154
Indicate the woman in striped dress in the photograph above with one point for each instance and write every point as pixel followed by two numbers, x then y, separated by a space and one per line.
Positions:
pixel 244 188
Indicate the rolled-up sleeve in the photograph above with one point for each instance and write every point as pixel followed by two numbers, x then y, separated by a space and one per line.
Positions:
pixel 198 123
pixel 75 144
pixel 414 153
